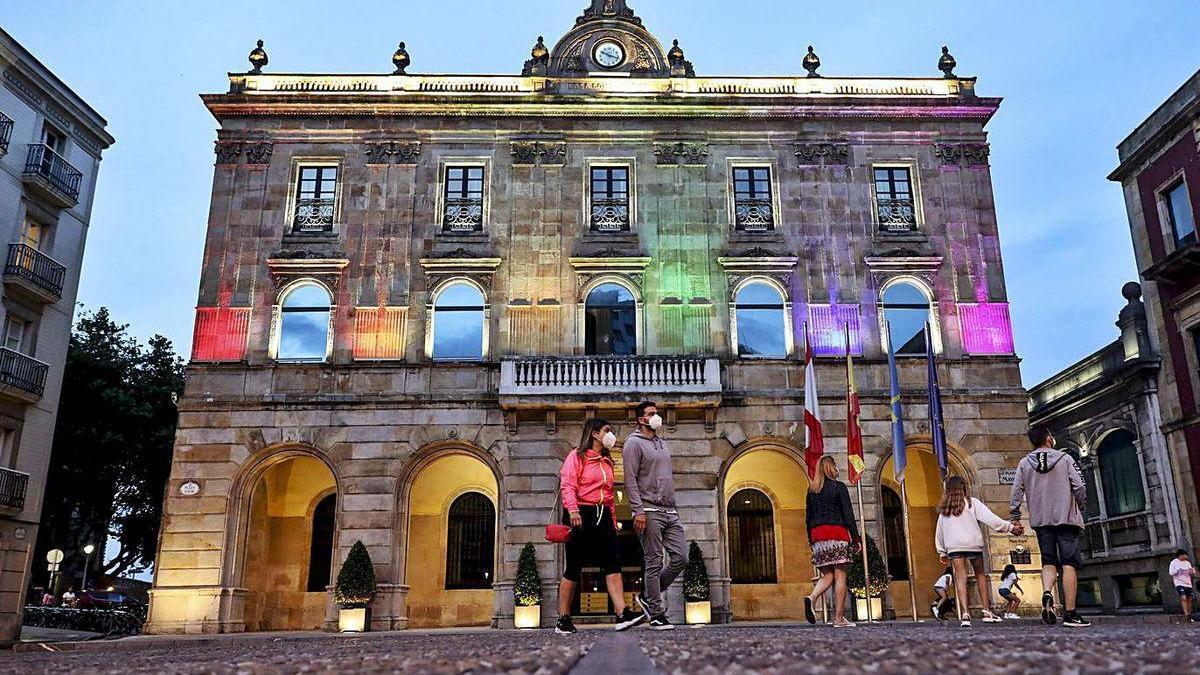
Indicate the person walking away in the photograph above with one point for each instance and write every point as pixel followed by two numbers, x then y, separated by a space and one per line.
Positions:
pixel 1183 575
pixel 960 542
pixel 1012 600
pixel 942 595
pixel 650 485
pixel 1052 485
pixel 833 537
pixel 68 598
pixel 586 479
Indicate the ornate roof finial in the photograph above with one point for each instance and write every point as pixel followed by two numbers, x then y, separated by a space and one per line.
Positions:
pixel 540 63
pixel 258 59
pixel 540 53
pixel 947 64
pixel 812 62
pixel 401 60
pixel 608 10
pixel 675 56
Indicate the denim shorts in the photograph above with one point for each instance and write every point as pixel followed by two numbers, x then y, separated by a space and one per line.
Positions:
pixel 1060 545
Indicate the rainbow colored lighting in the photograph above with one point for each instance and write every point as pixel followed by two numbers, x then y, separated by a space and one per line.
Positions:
pixel 986 328
pixel 220 335
pixel 827 326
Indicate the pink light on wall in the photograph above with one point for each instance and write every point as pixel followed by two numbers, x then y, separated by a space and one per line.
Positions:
pixel 220 335
pixel 986 328
pixel 379 333
pixel 827 326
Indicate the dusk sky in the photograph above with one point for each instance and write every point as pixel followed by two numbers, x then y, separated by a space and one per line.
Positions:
pixel 1076 78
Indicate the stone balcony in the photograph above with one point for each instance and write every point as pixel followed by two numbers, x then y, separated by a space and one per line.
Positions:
pixel 13 485
pixel 590 380
pixel 52 177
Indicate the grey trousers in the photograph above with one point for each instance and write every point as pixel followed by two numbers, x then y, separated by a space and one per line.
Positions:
pixel 664 533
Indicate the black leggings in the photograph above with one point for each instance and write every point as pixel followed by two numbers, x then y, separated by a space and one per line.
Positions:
pixel 593 544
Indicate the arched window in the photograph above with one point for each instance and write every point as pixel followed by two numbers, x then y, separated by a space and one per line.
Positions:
pixel 1120 475
pixel 471 542
pixel 893 535
pixel 751 538
pixel 304 324
pixel 458 323
pixel 320 556
pixel 761 322
pixel 1087 469
pixel 906 310
pixel 610 321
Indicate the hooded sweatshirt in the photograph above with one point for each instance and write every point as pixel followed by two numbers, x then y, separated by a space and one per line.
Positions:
pixel 649 478
pixel 1053 486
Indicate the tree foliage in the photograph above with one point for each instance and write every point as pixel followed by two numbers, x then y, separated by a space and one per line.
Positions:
pixel 695 576
pixel 528 587
pixel 856 580
pixel 112 448
pixel 356 580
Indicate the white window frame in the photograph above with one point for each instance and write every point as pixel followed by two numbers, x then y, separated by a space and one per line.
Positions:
pixel 918 201
pixel 628 163
pixel 430 313
pixel 935 327
pixel 444 164
pixel 731 198
pixel 22 324
pixel 789 334
pixel 1164 212
pixel 323 161
pixel 277 322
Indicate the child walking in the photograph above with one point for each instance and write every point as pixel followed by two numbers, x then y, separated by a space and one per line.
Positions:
pixel 1183 575
pixel 960 541
pixel 942 594
pixel 1008 579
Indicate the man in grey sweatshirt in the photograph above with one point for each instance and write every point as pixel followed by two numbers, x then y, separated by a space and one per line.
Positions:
pixel 650 484
pixel 1050 481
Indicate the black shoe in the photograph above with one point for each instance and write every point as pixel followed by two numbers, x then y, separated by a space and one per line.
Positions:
pixel 565 626
pixel 1049 617
pixel 809 614
pixel 1073 620
pixel 629 618
pixel 641 603
pixel 661 622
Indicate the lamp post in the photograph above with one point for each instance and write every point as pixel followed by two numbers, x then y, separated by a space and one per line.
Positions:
pixel 88 561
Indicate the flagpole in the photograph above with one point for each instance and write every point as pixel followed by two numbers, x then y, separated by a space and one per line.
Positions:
pixel 912 572
pixel 862 528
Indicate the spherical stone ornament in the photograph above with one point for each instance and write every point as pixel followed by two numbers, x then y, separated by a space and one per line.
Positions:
pixel 401 60
pixel 19 533
pixel 258 59
pixel 189 489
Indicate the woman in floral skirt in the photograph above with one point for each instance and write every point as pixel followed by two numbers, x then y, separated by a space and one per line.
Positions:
pixel 833 536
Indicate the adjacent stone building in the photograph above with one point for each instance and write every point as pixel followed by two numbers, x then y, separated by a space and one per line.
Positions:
pixel 50 146
pixel 417 287
pixel 1105 411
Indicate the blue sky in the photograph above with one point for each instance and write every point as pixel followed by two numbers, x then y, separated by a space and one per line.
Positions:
pixel 1077 77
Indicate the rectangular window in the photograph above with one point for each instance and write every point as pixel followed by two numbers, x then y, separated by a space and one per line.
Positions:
pixel 54 139
pixel 462 212
pixel 753 205
pixel 31 235
pixel 1139 590
pixel 1089 594
pixel 1179 213
pixel 14 333
pixel 610 199
pixel 895 203
pixel 316 198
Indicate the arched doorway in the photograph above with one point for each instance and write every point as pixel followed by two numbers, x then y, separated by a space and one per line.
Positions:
pixel 610 321
pixel 450 560
pixel 289 542
pixel 769 560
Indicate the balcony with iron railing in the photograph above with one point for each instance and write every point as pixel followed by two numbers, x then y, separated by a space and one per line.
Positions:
pixel 1122 534
pixel 51 176
pixel 610 215
pixel 21 377
pixel 313 216
pixel 6 127
pixel 34 274
pixel 896 216
pixel 463 215
pixel 591 378
pixel 13 485
pixel 754 215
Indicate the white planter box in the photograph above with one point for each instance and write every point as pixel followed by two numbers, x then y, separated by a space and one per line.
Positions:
pixel 352 620
pixel 860 609
pixel 699 613
pixel 528 617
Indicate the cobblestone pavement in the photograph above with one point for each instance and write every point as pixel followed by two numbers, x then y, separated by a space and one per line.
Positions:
pixel 888 648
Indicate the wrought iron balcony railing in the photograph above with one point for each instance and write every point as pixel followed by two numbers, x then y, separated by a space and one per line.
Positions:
pixel 627 375
pixel 313 216
pixel 1118 535
pixel 45 163
pixel 754 215
pixel 22 372
pixel 6 127
pixel 13 485
pixel 610 215
pixel 896 216
pixel 28 263
pixel 463 215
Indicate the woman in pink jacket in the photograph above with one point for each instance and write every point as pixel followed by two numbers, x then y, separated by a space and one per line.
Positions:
pixel 587 481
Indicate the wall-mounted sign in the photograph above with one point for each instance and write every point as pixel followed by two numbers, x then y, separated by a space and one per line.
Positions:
pixel 1008 476
pixel 189 489
pixel 1020 556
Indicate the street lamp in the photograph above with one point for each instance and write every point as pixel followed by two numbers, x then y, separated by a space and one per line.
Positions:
pixel 87 550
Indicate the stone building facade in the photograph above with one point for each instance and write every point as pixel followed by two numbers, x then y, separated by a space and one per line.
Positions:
pixel 1104 410
pixel 416 288
pixel 50 146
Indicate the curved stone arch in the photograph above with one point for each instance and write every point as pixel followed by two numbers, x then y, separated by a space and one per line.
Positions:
pixel 569 54
pixel 277 313
pixel 773 498
pixel 925 286
pixel 599 280
pixel 959 461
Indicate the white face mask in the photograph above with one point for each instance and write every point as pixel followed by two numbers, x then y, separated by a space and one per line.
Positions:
pixel 654 422
pixel 609 440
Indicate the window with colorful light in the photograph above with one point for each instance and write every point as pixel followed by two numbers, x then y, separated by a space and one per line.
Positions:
pixel 458 323
pixel 304 332
pixel 760 321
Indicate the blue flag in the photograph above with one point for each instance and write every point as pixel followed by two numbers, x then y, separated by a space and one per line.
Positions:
pixel 899 453
pixel 937 426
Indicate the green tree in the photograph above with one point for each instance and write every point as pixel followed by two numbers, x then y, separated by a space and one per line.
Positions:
pixel 356 580
pixel 112 448
pixel 695 576
pixel 528 587
pixel 856 580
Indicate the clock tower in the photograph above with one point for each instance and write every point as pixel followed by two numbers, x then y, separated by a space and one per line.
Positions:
pixel 609 39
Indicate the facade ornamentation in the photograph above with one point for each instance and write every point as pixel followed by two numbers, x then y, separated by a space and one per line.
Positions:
pixel 401 60
pixel 681 154
pixel 258 153
pixel 538 65
pixel 812 62
pixel 947 64
pixel 228 152
pixel 829 153
pixel 393 152
pixel 680 66
pixel 530 153
pixel 956 154
pixel 608 10
pixel 258 59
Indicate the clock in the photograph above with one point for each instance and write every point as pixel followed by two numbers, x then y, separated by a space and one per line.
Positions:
pixel 609 54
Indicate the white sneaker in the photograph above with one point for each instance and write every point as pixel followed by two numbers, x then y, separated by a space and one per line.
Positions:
pixel 988 617
pixel 1011 617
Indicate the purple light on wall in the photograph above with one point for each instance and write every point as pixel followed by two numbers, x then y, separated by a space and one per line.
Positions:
pixel 827 327
pixel 986 328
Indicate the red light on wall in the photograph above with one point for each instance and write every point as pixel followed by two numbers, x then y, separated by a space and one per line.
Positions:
pixel 220 335
pixel 379 333
pixel 986 328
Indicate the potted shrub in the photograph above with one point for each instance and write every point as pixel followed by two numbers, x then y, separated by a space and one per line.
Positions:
pixel 857 582
pixel 354 590
pixel 695 588
pixel 528 591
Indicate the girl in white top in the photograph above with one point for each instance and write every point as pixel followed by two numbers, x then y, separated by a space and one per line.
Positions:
pixel 960 542
pixel 940 590
pixel 1008 579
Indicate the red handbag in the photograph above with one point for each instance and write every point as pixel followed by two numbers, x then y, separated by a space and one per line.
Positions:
pixel 557 533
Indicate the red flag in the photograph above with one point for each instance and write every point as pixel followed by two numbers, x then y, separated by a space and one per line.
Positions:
pixel 814 439
pixel 854 441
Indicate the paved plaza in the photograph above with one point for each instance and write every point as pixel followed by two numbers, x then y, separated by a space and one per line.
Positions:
pixel 745 648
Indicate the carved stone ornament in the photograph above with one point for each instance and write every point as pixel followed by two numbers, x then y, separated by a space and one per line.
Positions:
pixel 681 154
pixel 539 63
pixel 393 152
pixel 959 154
pixel 602 10
pixel 460 263
pixel 228 152
pixel 287 266
pixel 823 153
pixel 529 153
pixel 259 152
pixel 754 264
pixel 630 268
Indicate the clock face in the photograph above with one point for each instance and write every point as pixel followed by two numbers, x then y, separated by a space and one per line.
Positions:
pixel 609 54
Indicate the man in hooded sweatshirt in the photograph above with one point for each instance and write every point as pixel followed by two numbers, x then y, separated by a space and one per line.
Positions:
pixel 1049 480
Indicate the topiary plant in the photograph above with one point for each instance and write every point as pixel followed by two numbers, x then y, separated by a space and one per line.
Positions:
pixel 356 580
pixel 695 576
pixel 857 581
pixel 528 589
